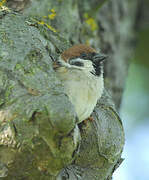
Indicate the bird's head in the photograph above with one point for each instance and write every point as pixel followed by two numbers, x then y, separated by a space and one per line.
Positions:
pixel 82 57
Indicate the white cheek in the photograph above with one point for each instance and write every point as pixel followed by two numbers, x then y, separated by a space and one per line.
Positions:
pixel 88 63
pixel 88 66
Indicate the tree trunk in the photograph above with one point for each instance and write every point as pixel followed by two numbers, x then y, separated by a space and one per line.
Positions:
pixel 39 134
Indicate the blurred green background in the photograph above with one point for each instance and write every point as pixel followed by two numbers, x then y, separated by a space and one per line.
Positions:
pixel 135 114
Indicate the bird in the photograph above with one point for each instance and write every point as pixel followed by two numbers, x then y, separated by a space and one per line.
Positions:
pixel 80 69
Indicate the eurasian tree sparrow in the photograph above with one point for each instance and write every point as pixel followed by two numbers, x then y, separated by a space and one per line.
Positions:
pixel 80 69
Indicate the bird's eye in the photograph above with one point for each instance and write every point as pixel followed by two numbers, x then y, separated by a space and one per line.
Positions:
pixel 83 55
pixel 93 54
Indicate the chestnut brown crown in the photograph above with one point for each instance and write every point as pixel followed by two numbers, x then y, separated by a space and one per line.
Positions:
pixel 76 51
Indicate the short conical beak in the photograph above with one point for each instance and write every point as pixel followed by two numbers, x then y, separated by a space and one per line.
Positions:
pixel 99 57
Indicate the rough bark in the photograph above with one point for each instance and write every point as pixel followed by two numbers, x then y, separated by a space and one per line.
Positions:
pixel 39 136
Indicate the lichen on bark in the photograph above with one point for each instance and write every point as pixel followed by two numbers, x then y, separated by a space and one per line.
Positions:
pixel 34 107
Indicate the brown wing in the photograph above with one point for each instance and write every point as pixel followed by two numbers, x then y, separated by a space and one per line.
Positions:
pixel 76 51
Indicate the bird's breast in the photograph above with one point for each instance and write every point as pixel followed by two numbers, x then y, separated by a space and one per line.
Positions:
pixel 83 91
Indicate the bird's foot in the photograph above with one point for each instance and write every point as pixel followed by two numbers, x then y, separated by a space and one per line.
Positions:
pixel 88 119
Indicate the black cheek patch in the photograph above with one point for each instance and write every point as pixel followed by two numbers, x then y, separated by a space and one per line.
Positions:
pixel 77 63
pixel 98 68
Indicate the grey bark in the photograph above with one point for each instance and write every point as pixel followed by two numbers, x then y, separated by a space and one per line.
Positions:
pixel 39 134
